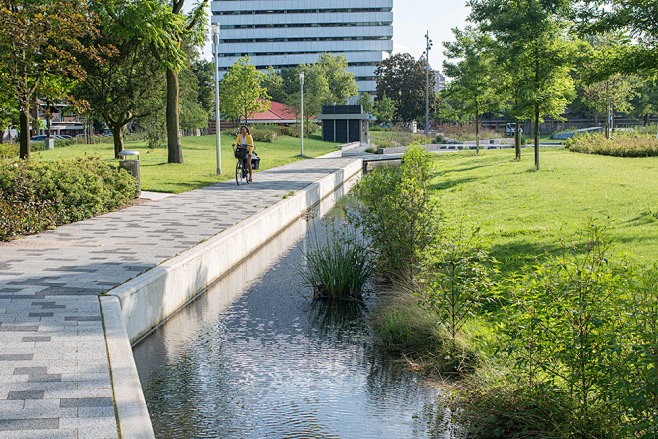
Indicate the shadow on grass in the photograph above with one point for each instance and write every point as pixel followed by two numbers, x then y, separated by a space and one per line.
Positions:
pixel 447 184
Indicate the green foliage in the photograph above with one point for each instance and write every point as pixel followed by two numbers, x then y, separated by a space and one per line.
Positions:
pixel 37 195
pixel 562 324
pixel 620 145
pixel 337 267
pixel 365 100
pixel 384 110
pixel 8 151
pixel 261 133
pixel 397 215
pixel 403 79
pixel 456 279
pixel 242 93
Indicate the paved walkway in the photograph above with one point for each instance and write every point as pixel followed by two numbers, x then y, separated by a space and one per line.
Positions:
pixel 54 374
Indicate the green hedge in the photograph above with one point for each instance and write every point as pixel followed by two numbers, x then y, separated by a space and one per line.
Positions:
pixel 38 195
pixel 620 145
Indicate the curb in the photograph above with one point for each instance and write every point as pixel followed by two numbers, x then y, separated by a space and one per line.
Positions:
pixel 133 420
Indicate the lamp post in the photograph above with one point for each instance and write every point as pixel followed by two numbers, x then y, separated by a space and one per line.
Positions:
pixel 301 84
pixel 215 38
pixel 427 83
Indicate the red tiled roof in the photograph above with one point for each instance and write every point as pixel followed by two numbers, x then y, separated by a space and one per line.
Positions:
pixel 277 111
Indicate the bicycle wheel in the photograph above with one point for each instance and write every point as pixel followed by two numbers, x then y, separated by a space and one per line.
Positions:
pixel 239 172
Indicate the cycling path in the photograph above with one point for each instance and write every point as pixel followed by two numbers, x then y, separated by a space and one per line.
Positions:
pixel 55 379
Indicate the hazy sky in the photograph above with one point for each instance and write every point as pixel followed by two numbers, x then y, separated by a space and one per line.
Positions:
pixel 411 19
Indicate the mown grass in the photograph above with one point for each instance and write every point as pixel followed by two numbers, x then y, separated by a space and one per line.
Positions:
pixel 523 212
pixel 199 169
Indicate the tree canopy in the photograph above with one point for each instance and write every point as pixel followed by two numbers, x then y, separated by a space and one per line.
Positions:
pixel 242 93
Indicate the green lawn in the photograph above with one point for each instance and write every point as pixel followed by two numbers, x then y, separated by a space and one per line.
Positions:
pixel 199 155
pixel 523 212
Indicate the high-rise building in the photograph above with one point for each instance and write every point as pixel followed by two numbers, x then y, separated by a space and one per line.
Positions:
pixel 285 33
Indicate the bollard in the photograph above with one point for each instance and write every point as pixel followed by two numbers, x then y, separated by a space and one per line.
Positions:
pixel 130 163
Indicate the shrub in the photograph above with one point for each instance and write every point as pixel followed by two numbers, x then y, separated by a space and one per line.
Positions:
pixel 37 195
pixel 620 145
pixel 397 215
pixel 337 267
pixel 9 150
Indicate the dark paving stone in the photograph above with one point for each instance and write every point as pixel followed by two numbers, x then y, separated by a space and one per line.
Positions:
pixel 26 394
pixel 86 402
pixel 29 424
pixel 68 291
pixel 16 357
pixel 9 290
pixel 21 296
pixel 48 305
pixel 73 269
pixel 11 328
pixel 40 314
pixel 36 339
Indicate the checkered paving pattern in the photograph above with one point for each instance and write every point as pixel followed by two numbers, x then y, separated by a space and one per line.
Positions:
pixel 54 372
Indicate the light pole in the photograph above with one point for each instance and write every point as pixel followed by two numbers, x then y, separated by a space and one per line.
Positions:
pixel 301 84
pixel 218 141
pixel 427 83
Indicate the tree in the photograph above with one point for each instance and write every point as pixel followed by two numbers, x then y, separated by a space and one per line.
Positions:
pixel 128 84
pixel 473 79
pixel 610 95
pixel 242 93
pixel 645 101
pixel 365 100
pixel 402 79
pixel 384 110
pixel 532 34
pixel 273 84
pixel 341 83
pixel 42 41
pixel 637 18
pixel 316 90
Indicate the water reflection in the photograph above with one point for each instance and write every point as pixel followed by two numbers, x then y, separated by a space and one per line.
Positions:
pixel 255 357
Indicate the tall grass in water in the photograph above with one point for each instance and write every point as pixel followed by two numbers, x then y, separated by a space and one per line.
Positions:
pixel 338 266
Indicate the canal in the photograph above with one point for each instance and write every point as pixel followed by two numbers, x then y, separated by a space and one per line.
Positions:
pixel 256 357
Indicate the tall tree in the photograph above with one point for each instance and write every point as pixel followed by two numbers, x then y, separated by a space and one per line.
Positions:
pixel 637 18
pixel 402 79
pixel 365 100
pixel 341 83
pixel 242 93
pixel 41 41
pixel 472 70
pixel 534 36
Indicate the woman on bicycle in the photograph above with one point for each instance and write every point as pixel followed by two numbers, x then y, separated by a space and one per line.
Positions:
pixel 245 140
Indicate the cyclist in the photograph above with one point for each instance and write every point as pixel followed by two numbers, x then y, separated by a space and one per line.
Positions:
pixel 244 139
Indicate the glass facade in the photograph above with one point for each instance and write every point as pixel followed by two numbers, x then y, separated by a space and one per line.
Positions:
pixel 285 33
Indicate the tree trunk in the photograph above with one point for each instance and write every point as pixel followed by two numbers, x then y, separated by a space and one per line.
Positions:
pixel 537 136
pixel 25 133
pixel 517 141
pixel 117 134
pixel 48 125
pixel 477 133
pixel 173 124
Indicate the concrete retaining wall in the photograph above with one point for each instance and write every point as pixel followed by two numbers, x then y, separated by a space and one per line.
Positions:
pixel 149 299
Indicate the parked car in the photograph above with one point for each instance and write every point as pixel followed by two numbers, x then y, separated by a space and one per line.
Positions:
pixel 39 138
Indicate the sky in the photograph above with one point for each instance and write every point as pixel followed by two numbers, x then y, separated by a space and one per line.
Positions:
pixel 411 19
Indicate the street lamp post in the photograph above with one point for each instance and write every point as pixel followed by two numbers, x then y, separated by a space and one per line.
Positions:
pixel 215 38
pixel 301 84
pixel 427 83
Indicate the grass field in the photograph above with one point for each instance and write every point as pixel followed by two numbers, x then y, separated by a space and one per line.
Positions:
pixel 523 212
pixel 199 169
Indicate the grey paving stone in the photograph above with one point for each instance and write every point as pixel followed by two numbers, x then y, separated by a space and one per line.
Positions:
pixel 28 424
pixel 30 370
pixel 86 402
pixel 15 357
pixel 37 339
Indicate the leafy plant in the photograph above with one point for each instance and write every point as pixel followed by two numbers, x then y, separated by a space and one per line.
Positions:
pixel 337 267
pixel 620 145
pixel 397 215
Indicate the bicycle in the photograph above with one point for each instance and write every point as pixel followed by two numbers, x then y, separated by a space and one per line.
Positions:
pixel 240 152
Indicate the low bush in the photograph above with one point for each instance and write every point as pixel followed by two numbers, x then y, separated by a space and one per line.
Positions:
pixel 37 195
pixel 465 132
pixel 337 267
pixel 9 150
pixel 619 145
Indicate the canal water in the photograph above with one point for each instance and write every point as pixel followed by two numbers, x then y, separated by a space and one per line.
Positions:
pixel 255 357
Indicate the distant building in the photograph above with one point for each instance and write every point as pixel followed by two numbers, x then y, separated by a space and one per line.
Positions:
pixel 440 83
pixel 282 34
